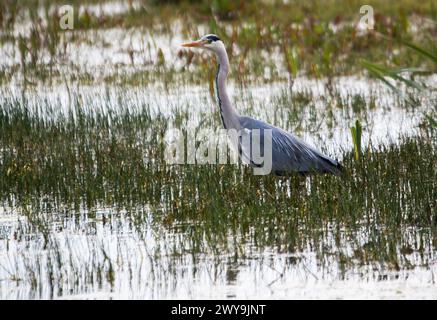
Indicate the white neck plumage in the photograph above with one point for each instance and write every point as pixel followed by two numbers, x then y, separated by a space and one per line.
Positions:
pixel 228 114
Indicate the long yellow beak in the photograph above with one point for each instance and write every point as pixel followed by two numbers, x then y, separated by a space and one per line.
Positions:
pixel 197 43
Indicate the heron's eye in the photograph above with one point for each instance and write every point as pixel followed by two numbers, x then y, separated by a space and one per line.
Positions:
pixel 209 41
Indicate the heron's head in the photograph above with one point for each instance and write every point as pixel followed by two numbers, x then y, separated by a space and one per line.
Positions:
pixel 210 42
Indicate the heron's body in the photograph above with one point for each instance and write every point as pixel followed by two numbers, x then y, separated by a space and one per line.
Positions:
pixel 289 153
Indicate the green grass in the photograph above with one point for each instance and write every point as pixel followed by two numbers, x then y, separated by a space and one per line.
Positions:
pixel 98 207
pixel 300 30
pixel 82 161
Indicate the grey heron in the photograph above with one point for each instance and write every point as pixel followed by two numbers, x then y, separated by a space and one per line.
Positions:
pixel 289 153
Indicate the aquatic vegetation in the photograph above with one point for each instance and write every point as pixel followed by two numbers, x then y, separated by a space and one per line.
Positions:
pixel 69 173
pixel 324 42
pixel 356 132
pixel 89 207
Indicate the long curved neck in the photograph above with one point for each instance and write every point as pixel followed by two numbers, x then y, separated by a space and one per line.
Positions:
pixel 227 112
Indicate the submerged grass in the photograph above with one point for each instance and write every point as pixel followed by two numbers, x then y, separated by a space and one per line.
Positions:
pixel 267 41
pixel 81 162
pixel 98 209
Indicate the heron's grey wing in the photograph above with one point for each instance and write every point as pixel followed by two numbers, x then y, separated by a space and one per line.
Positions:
pixel 290 153
pixel 241 142
pixel 244 146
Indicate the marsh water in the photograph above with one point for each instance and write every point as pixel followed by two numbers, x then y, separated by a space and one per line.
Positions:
pixel 89 209
pixel 110 252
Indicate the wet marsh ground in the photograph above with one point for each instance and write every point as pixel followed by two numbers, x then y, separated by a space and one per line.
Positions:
pixel 90 209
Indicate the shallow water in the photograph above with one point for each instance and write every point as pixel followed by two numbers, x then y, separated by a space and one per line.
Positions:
pixel 103 254
pixel 321 121
pixel 145 266
pixel 55 251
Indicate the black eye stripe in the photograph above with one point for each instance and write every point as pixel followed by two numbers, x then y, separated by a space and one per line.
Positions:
pixel 213 38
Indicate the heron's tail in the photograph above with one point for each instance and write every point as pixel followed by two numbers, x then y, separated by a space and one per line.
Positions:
pixel 331 166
